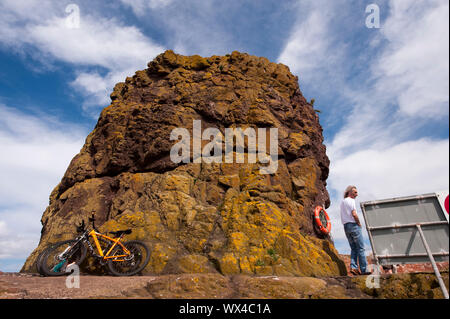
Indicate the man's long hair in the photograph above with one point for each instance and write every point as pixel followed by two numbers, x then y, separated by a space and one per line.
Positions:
pixel 348 190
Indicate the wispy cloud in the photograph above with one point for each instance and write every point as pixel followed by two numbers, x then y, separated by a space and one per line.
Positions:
pixel 380 143
pixel 102 51
pixel 35 154
pixel 140 7
pixel 410 168
pixel 408 81
pixel 98 41
pixel 217 27
pixel 381 91
pixel 311 49
pixel 320 51
pixel 414 67
pixel 193 27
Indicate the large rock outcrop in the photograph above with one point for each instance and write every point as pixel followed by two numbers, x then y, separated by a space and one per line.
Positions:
pixel 202 217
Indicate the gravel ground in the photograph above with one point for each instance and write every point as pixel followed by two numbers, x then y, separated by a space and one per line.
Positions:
pixel 203 286
pixel 18 286
pixel 217 286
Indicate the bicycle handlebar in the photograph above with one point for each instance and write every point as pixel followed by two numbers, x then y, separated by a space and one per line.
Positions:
pixel 81 227
pixel 92 220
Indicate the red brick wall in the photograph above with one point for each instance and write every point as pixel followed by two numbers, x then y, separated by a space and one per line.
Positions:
pixel 407 268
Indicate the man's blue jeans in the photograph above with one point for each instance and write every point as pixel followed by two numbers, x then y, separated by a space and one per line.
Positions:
pixel 355 239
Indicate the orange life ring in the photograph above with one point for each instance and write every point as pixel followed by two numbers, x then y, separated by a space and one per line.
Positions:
pixel 325 229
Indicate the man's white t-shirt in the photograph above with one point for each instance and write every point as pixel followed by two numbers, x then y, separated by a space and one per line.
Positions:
pixel 347 206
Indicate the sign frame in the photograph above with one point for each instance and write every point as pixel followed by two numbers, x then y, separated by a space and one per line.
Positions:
pixel 415 226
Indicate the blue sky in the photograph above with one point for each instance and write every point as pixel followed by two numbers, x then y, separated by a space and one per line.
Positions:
pixel 383 92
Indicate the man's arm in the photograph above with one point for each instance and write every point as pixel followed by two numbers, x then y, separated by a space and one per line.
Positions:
pixel 355 216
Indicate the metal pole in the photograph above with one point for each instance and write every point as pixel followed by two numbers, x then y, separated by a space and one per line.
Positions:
pixel 377 263
pixel 408 225
pixel 430 255
pixel 411 255
pixel 398 199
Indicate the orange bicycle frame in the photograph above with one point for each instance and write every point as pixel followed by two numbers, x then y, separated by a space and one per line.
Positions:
pixel 95 236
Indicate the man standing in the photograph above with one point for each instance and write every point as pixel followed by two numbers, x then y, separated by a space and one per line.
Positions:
pixel 352 227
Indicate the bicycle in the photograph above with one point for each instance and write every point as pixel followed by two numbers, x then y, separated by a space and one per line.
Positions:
pixel 122 258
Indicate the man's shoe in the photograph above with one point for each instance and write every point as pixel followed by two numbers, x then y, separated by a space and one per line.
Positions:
pixel 355 272
pixel 366 273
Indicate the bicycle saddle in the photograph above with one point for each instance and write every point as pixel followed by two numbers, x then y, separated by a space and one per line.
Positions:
pixel 120 232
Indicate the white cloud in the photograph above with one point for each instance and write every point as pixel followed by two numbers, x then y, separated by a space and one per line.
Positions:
pixel 97 88
pixel 414 67
pixel 140 7
pixel 307 45
pixel 194 27
pixel 17 237
pixel 3 229
pixel 311 50
pixel 35 154
pixel 409 168
pixel 317 51
pixel 94 86
pixel 98 42
pixel 384 120
pixel 369 151
pixel 14 14
pixel 377 145
pixel 120 49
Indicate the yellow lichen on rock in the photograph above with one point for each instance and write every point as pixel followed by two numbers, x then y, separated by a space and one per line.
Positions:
pixel 229 264
pixel 202 217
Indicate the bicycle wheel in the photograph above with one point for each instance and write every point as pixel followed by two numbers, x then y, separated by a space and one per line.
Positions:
pixel 132 264
pixel 57 257
pixel 39 259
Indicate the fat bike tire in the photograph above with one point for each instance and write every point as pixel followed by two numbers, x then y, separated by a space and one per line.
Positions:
pixel 132 265
pixel 54 263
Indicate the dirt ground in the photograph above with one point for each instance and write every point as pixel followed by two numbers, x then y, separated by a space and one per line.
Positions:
pixel 204 286
pixel 18 286
pixel 217 286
